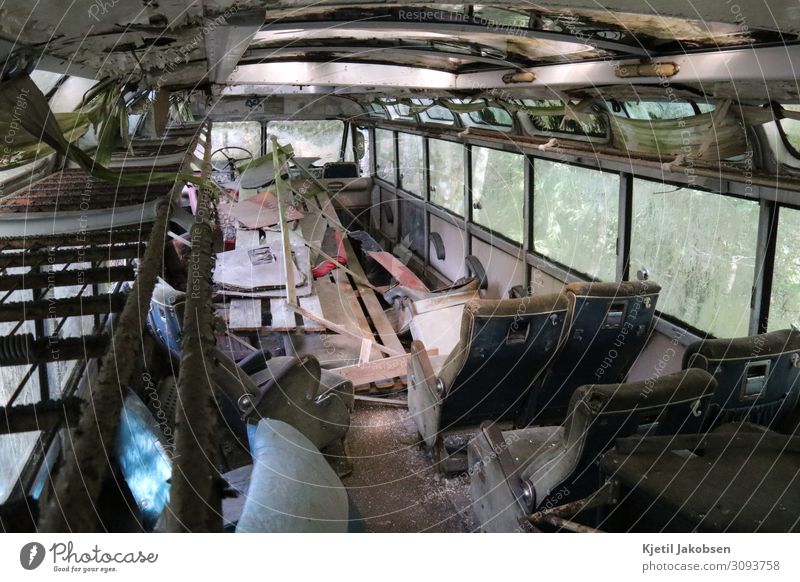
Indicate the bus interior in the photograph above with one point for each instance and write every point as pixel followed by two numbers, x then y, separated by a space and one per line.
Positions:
pixel 298 266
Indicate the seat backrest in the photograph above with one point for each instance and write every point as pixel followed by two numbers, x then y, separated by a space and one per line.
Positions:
pixel 504 346
pixel 599 414
pixel 609 324
pixel 758 376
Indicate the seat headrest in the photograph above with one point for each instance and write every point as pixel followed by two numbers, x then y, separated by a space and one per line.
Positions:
pixel 751 347
pixel 611 290
pixel 682 386
pixel 520 307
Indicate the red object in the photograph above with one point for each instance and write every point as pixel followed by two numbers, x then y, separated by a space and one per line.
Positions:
pixel 326 267
pixel 192 193
pixel 398 270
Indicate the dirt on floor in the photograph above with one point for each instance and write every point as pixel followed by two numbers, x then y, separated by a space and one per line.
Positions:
pixel 394 484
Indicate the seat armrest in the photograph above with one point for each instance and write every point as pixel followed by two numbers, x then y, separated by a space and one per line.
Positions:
pixel 428 376
pixel 424 395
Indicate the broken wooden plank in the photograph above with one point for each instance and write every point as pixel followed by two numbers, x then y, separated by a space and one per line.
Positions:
pixel 378 370
pixel 311 303
pixel 382 401
pixel 375 371
pixel 337 328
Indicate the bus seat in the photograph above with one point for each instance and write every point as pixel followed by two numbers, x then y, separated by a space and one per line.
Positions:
pixel 295 390
pixel 759 376
pixel 504 347
pixel 513 473
pixel 609 324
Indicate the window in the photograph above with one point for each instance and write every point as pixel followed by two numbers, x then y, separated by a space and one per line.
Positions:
pixel 575 217
pixel 500 17
pixel 446 174
pixel 320 138
pixel 376 110
pixel 548 123
pixel 434 113
pixel 784 308
pixel 384 155
pixel 15 449
pixel 241 134
pixel 409 150
pixel 399 111
pixel 490 117
pixel 700 247
pixel 498 185
pixel 791 128
pixel 660 109
pixel 358 151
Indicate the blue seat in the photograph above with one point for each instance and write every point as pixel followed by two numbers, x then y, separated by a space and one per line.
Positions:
pixel 758 376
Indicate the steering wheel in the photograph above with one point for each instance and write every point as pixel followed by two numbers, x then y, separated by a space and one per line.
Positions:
pixel 232 160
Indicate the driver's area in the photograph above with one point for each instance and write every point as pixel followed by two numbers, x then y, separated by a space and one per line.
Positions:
pixel 240 158
pixel 233 145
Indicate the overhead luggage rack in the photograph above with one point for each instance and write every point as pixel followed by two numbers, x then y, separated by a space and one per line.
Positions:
pixel 79 258
pixel 73 189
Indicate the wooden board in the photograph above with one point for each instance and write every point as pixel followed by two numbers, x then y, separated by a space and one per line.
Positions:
pixel 376 314
pixel 376 371
pixel 282 316
pixel 244 314
pixel 311 304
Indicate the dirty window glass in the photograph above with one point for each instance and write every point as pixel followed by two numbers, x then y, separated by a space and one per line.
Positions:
pixel 498 185
pixel 791 127
pixel 575 217
pixel 411 162
pixel 658 109
pixel 446 160
pixel 243 134
pixel 784 308
pixel 309 138
pixel 384 155
pixel 700 247
pixel 16 448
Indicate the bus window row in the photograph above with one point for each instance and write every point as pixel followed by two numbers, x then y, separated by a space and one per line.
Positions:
pixel 705 256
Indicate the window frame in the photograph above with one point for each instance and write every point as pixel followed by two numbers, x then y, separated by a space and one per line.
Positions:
pixel 377 150
pixel 532 234
pixel 464 185
pixel 675 320
pixel 423 166
pixel 470 214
